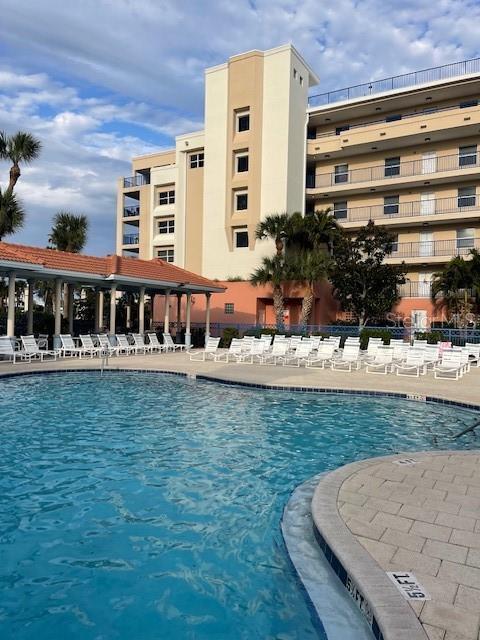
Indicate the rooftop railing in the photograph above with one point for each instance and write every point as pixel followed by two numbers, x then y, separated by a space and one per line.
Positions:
pixel 394 169
pixel 130 238
pixel 136 181
pixel 424 76
pixel 435 248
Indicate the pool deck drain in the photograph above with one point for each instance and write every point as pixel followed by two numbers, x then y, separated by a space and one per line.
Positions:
pixel 423 517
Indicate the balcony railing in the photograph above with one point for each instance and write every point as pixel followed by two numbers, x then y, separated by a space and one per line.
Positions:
pixel 130 211
pixel 130 238
pixel 455 206
pixel 427 111
pixel 136 181
pixel 422 289
pixel 435 248
pixel 434 74
pixel 401 169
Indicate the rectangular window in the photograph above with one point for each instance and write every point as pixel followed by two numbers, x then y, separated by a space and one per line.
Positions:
pixel 241 239
pixel 339 130
pixel 392 166
pixel 465 238
pixel 241 201
pixel 393 118
pixel 390 205
pixel 166 197
pixel 467 156
pixel 243 120
pixel 241 162
pixel 395 243
pixel 196 160
pixel 468 103
pixel 166 226
pixel 341 173
pixel 166 253
pixel 340 210
pixel 229 308
pixel 466 197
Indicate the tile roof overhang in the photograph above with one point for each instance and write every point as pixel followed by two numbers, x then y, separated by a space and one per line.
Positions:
pixel 102 272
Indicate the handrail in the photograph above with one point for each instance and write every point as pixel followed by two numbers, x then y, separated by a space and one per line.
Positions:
pixel 131 238
pixel 137 180
pixel 434 248
pixel 131 210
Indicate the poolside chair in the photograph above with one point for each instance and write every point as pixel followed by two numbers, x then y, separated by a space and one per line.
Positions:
pixel 211 348
pixel 155 342
pixel 419 343
pixel 106 346
pixel 473 350
pixel 139 342
pixel 413 365
pixel 301 355
pixel 349 359
pixel 371 352
pixel 266 337
pixel 124 346
pixel 323 355
pixel 382 362
pixel 8 351
pixel 255 353
pixel 432 355
pixel 400 351
pixel 69 348
pixel 451 366
pixel 87 343
pixel 170 345
pixel 234 352
pixel 30 346
pixel 276 354
pixel 333 340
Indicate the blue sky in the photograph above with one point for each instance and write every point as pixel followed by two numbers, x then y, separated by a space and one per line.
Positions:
pixel 102 80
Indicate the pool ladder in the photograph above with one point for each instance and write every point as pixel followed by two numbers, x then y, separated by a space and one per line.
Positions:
pixel 104 362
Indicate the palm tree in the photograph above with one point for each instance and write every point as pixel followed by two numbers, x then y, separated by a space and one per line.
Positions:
pixel 455 280
pixel 316 230
pixel 21 147
pixel 277 227
pixel 272 271
pixel 309 267
pixel 69 232
pixel 12 214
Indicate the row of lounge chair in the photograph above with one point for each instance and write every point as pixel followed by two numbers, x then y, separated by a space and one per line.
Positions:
pixel 399 357
pixel 28 348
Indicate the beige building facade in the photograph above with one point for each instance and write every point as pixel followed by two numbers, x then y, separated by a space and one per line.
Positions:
pixel 404 157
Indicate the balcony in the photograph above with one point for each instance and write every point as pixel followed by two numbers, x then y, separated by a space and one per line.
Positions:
pixel 423 168
pixel 131 211
pixel 130 238
pixel 457 207
pixel 136 181
pixel 425 76
pixel 439 250
pixel 422 289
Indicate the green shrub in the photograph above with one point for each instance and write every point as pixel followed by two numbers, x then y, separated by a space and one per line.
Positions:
pixel 432 337
pixel 365 334
pixel 227 335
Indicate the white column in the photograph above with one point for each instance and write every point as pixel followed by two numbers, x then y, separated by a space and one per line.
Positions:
pixel 152 309
pixel 113 308
pixel 11 305
pixel 188 335
pixel 179 317
pixel 66 300
pixel 166 322
pixel 31 287
pixel 128 310
pixel 207 316
pixel 70 291
pixel 99 311
pixel 58 307
pixel 141 311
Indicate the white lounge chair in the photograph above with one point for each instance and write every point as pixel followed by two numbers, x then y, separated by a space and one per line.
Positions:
pixel 69 348
pixel 451 366
pixel 349 359
pixel 266 337
pixel 30 346
pixel 234 352
pixel 87 343
pixel 473 350
pixel 170 345
pixel 323 355
pixel 124 346
pixel 382 362
pixel 413 365
pixel 139 342
pixel 8 351
pixel 211 348
pixel 255 353
pixel 276 354
pixel 155 342
pixel 301 355
pixel 106 346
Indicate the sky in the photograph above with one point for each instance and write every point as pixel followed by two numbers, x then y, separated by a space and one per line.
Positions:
pixel 100 81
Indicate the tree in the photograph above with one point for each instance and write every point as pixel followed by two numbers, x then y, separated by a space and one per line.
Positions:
pixel 308 267
pixel 272 271
pixel 317 230
pixel 277 227
pixel 21 147
pixel 362 283
pixel 69 232
pixel 12 215
pixel 453 284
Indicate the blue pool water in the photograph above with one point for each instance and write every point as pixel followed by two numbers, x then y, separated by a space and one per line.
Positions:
pixel 146 507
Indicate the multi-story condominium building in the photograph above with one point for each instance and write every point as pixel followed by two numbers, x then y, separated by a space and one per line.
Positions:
pixel 401 151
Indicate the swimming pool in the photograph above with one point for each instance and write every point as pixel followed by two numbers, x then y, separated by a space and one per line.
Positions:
pixel 148 506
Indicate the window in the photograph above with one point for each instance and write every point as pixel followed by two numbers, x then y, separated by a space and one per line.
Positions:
pixel 465 238
pixel 196 160
pixel 294 73
pixel 166 226
pixel 467 155
pixel 392 166
pixel 468 103
pixel 243 121
pixel 166 253
pixel 241 239
pixel 395 243
pixel 241 162
pixel 339 130
pixel 393 118
pixel 390 205
pixel 466 197
pixel 241 201
pixel 341 173
pixel 301 80
pixel 229 308
pixel 166 197
pixel 340 211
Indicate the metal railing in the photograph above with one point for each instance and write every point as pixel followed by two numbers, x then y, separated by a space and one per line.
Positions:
pixel 130 211
pixel 455 206
pixel 130 238
pixel 427 111
pixel 434 74
pixel 136 181
pixel 421 289
pixel 435 248
pixel 401 169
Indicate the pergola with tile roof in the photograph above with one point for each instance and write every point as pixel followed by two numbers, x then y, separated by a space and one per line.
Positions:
pixel 109 273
